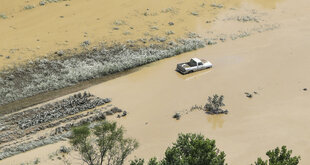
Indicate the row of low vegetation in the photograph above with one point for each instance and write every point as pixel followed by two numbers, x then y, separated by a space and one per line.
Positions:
pixel 105 144
pixel 45 74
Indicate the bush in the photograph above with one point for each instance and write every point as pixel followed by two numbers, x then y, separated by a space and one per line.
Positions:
pixel 279 157
pixel 137 162
pixel 152 161
pixel 214 105
pixel 36 161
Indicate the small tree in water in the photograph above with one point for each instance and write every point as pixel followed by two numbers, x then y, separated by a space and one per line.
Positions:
pixel 214 105
pixel 279 157
pixel 104 143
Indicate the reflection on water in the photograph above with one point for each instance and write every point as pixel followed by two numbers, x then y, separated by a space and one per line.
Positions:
pixel 269 4
pixel 194 75
pixel 217 121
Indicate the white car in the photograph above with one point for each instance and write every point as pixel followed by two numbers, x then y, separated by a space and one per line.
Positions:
pixel 193 65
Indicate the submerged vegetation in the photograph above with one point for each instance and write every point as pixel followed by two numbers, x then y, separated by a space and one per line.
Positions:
pixel 3 16
pixel 212 107
pixel 214 104
pixel 28 7
pixel 48 74
pixel 44 74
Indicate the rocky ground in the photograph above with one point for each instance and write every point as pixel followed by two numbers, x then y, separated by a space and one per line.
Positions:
pixel 50 123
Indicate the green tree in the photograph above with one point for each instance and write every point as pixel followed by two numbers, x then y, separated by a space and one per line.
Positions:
pixel 193 149
pixel 120 151
pixel 105 140
pixel 189 149
pixel 152 161
pixel 279 157
pixel 81 141
pixel 137 162
pixel 107 136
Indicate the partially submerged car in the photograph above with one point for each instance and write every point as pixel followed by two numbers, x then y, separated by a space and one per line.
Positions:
pixel 193 65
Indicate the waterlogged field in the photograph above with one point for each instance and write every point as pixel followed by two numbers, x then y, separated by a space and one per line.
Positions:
pixel 250 44
pixel 165 32
pixel 27 34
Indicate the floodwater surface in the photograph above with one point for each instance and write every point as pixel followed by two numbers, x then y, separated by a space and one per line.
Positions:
pixel 274 64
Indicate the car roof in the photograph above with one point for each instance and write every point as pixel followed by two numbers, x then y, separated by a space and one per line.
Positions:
pixel 196 59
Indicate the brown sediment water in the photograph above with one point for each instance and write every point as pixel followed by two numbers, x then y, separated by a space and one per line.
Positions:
pixel 274 64
pixel 33 31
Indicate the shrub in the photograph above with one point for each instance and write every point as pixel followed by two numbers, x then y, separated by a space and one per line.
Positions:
pixel 152 161
pixel 214 104
pixel 137 162
pixel 279 157
pixel 36 161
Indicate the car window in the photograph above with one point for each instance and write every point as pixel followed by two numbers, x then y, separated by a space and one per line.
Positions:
pixel 192 63
pixel 200 63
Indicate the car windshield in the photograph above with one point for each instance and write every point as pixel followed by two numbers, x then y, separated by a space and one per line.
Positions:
pixel 192 63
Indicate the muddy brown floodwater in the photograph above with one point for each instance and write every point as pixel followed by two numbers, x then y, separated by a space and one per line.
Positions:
pixel 275 64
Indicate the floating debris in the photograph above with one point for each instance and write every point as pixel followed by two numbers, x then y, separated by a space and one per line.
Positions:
pixel 177 116
pixel 249 95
